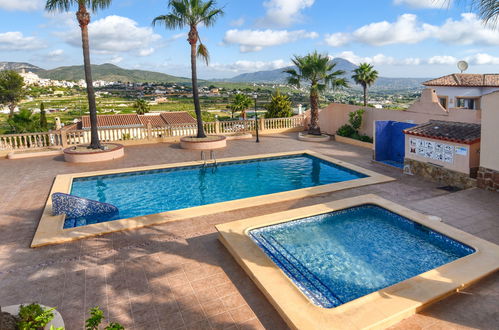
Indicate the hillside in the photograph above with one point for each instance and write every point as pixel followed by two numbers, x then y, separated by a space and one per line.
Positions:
pixel 278 76
pixel 19 66
pixel 110 72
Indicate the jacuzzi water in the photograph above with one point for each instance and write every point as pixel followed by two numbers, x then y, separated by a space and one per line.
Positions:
pixel 150 192
pixel 338 257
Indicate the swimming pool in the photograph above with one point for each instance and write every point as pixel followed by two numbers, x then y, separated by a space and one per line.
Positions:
pixel 142 193
pixel 358 263
pixel 341 256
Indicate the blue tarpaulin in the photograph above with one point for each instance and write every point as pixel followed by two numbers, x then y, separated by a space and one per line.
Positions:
pixel 390 142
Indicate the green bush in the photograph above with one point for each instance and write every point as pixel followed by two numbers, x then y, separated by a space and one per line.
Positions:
pixel 356 118
pixel 366 138
pixel 346 131
pixel 34 317
pixel 96 318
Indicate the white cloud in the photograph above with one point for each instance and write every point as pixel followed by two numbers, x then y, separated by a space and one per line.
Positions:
pixel 114 34
pixel 23 5
pixel 442 59
pixel 16 41
pixel 379 59
pixel 467 31
pixel 256 40
pixel 483 59
pixel 238 22
pixel 438 4
pixel 407 29
pixel 56 52
pixel 284 13
pixel 116 59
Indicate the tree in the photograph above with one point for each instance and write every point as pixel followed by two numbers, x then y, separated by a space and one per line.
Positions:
pixel 240 103
pixel 488 10
pixel 279 106
pixel 191 13
pixel 43 117
pixel 141 107
pixel 24 122
pixel 83 17
pixel 11 89
pixel 317 70
pixel 365 75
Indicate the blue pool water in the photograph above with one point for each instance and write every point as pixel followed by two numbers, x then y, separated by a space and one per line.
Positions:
pixel 151 192
pixel 337 257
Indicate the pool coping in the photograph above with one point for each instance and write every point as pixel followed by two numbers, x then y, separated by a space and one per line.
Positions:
pixel 377 310
pixel 50 228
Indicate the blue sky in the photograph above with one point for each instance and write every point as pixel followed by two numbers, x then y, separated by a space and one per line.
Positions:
pixel 402 38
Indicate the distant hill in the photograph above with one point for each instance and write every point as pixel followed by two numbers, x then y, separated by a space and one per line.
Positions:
pixel 110 72
pixel 383 83
pixel 278 76
pixel 19 66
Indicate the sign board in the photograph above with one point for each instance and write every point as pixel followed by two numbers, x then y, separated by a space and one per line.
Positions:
pixel 435 150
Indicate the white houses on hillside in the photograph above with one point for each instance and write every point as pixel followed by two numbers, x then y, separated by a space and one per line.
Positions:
pixel 463 90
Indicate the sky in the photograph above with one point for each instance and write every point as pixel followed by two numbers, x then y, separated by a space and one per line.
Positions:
pixel 401 38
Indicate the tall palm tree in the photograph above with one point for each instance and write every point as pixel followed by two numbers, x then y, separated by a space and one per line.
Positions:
pixel 83 17
pixel 189 14
pixel 365 75
pixel 318 71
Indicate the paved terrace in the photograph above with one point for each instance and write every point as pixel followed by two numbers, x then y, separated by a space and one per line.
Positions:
pixel 177 275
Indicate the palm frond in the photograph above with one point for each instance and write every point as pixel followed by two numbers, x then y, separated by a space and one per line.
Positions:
pixel 203 53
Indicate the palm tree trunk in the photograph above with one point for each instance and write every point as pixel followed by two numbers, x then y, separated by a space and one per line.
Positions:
pixel 84 19
pixel 314 128
pixel 195 92
pixel 365 95
pixel 12 107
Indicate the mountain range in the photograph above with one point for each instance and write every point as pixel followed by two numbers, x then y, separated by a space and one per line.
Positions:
pixel 278 76
pixel 111 72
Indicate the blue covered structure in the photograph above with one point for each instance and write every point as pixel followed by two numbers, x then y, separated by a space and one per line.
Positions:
pixel 390 142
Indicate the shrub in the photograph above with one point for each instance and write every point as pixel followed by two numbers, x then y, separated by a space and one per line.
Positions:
pixel 365 138
pixel 34 317
pixel 346 131
pixel 356 118
pixel 96 318
pixel 279 106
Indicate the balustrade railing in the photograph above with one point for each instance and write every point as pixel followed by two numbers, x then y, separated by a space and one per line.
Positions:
pixel 66 138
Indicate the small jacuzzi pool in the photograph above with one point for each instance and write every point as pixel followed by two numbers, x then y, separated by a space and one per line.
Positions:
pixel 343 255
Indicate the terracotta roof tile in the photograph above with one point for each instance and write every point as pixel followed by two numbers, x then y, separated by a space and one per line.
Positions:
pixel 447 130
pixel 177 117
pixel 465 80
pixel 132 120
pixel 109 121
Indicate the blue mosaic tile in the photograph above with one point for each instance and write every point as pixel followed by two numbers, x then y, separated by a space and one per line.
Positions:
pixel 340 256
pixel 80 210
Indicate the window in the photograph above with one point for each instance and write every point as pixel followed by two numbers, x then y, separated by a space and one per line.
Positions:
pixel 443 101
pixel 467 103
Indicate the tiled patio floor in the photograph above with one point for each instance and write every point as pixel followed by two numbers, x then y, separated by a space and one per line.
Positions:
pixel 178 275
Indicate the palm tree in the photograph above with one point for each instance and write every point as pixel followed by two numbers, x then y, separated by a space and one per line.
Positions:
pixel 317 70
pixel 365 75
pixel 141 107
pixel 488 10
pixel 83 17
pixel 240 103
pixel 191 13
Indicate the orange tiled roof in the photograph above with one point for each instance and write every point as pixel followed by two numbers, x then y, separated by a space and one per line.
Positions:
pixel 177 117
pixel 133 120
pixel 465 80
pixel 467 133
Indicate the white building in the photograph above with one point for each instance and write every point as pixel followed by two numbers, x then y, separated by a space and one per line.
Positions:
pixel 462 90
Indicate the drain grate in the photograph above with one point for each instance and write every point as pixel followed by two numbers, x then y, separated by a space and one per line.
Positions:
pixel 450 188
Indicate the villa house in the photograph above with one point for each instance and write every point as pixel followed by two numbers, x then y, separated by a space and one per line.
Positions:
pixel 463 91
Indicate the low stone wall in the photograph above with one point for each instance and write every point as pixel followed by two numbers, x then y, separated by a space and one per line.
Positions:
pixel 488 179
pixel 354 142
pixel 440 174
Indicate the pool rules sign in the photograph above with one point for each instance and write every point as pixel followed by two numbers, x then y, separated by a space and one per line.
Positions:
pixel 436 150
